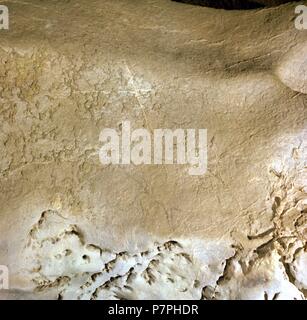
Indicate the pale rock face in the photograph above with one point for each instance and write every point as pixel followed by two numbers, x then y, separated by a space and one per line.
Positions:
pixel 166 270
pixel 72 228
pixel 292 70
pixel 298 269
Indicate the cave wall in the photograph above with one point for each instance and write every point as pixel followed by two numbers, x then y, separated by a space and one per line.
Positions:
pixel 74 228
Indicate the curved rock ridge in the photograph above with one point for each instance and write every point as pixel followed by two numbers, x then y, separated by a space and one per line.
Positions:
pixel 292 70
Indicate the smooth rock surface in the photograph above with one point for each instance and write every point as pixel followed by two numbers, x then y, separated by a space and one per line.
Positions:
pixel 293 69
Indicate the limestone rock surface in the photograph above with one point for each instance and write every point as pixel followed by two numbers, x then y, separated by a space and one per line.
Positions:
pixel 72 228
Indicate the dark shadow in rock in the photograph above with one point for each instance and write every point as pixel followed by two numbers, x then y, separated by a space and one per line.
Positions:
pixel 235 4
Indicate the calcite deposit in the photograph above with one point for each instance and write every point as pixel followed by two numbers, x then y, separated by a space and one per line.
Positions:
pixel 74 228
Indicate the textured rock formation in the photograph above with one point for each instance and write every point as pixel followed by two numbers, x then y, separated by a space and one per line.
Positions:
pixel 72 228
